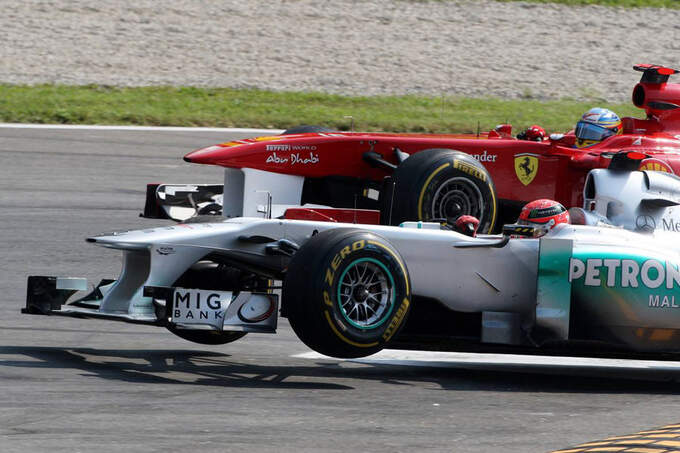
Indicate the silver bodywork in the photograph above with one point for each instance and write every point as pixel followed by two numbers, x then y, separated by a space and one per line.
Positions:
pixel 478 277
pixel 597 276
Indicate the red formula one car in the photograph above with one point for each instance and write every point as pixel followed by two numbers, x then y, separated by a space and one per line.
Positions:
pixel 392 178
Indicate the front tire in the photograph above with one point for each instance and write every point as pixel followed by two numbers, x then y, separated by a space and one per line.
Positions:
pixel 347 293
pixel 441 184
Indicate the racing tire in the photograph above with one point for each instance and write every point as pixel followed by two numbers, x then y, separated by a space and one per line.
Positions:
pixel 441 184
pixel 347 293
pixel 207 337
pixel 305 130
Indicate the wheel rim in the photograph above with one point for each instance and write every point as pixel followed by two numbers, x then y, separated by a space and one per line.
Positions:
pixel 457 197
pixel 366 293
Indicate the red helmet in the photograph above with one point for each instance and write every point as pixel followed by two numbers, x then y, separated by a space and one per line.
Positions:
pixel 543 212
pixel 535 132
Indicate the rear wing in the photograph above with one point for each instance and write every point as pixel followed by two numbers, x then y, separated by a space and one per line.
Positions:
pixel 654 73
pixel 660 99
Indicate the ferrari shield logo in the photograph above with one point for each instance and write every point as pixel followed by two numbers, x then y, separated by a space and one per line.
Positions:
pixel 526 167
pixel 655 165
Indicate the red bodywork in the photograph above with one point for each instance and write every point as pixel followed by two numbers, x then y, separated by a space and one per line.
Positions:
pixel 363 216
pixel 521 170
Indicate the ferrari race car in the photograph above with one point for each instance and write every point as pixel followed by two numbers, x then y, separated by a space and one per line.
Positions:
pixel 607 281
pixel 394 178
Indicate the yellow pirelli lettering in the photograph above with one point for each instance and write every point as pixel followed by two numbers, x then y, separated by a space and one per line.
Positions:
pixel 344 338
pixel 358 245
pixel 345 251
pixel 397 320
pixel 469 169
pixel 336 262
pixel 329 276
pixel 327 299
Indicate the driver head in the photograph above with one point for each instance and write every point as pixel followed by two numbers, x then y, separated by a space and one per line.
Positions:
pixel 543 213
pixel 596 125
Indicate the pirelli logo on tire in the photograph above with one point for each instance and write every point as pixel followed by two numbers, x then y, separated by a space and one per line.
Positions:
pixel 349 292
pixel 469 169
pixel 393 326
pixel 337 259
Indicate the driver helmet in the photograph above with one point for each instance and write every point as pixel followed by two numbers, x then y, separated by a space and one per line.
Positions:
pixel 535 133
pixel 544 214
pixel 596 125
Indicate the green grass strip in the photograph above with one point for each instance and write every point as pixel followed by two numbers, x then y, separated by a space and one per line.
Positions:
pixel 223 107
pixel 622 3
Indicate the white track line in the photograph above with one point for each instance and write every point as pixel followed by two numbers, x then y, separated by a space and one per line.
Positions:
pixel 453 359
pixel 140 128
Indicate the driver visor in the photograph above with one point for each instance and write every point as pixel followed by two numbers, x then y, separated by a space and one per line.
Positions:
pixel 590 131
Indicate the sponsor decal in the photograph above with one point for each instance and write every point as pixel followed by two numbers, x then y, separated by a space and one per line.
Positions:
pixel 337 259
pixel 624 273
pixel 303 148
pixel 290 148
pixel 257 309
pixel 200 306
pixel 670 224
pixel 469 169
pixel 526 167
pixel 304 160
pixel 277 147
pixel 645 223
pixel 656 165
pixel 165 251
pixel 485 157
pixel 293 159
pixel 639 275
pixel 637 141
pixel 396 321
pixel 656 301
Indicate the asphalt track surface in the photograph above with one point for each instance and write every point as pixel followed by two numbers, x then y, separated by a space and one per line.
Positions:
pixel 69 385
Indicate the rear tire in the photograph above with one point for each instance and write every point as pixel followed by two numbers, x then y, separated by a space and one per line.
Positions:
pixel 347 293
pixel 441 184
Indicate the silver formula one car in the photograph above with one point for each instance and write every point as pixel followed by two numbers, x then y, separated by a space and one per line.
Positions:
pixel 607 282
